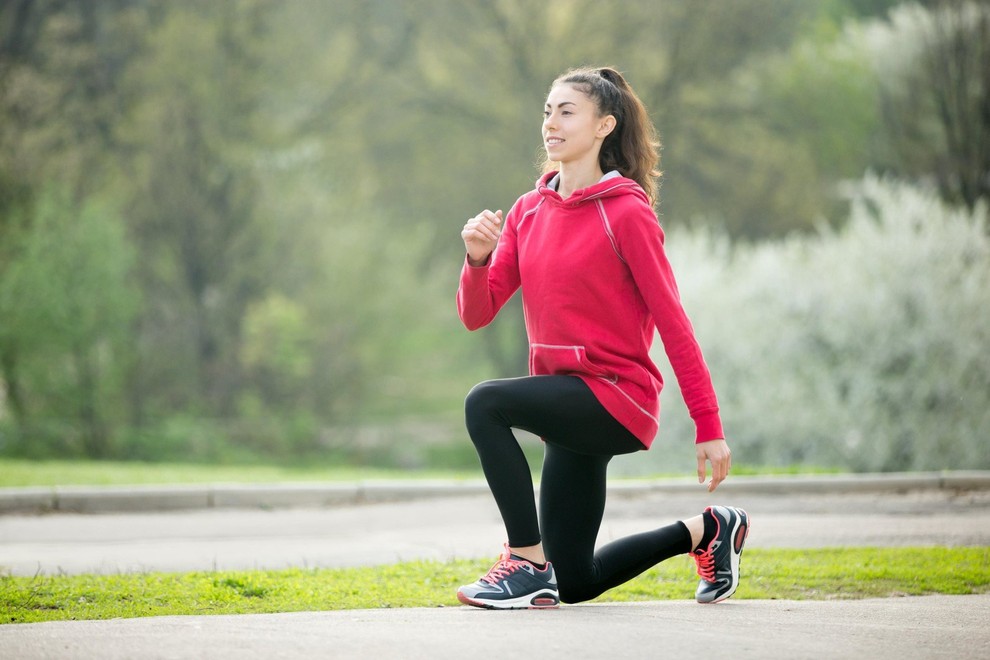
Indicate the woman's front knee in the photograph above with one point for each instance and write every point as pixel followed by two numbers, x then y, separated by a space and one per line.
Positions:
pixel 481 401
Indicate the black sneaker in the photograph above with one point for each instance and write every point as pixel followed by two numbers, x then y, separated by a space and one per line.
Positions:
pixel 512 584
pixel 718 564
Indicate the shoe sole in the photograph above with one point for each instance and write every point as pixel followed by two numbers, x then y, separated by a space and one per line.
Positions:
pixel 543 600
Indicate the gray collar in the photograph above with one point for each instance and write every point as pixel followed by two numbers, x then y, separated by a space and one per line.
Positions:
pixel 554 183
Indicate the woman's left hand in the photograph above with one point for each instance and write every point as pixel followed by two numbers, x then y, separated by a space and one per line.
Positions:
pixel 717 453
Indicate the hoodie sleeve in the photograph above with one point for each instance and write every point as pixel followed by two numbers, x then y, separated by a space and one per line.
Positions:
pixel 640 242
pixel 484 289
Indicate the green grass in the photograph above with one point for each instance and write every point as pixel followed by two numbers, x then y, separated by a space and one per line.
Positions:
pixel 775 574
pixel 23 473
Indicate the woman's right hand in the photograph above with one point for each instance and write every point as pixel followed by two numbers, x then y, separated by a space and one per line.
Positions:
pixel 480 235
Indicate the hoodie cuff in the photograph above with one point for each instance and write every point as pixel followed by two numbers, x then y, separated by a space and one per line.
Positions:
pixel 468 264
pixel 709 427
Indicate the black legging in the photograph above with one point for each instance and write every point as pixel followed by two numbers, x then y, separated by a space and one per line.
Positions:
pixel 581 437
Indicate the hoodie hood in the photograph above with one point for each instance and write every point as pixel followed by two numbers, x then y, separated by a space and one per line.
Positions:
pixel 612 184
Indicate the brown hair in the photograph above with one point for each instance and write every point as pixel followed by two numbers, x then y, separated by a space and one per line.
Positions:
pixel 633 146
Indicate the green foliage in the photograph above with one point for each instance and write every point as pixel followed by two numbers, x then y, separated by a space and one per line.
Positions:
pixel 822 93
pixel 780 574
pixel 192 203
pixel 67 302
pixel 934 92
pixel 288 181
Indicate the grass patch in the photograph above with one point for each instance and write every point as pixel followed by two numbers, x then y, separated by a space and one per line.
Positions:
pixel 22 473
pixel 767 573
pixel 16 473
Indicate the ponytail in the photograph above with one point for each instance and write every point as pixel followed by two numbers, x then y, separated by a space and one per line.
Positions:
pixel 633 146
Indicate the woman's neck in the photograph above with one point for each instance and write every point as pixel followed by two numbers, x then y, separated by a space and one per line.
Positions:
pixel 575 176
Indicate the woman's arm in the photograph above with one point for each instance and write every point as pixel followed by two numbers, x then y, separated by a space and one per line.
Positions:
pixel 490 274
pixel 640 241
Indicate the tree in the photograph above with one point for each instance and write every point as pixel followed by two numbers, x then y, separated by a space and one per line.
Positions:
pixel 934 71
pixel 956 69
pixel 192 193
pixel 66 300
pixel 60 66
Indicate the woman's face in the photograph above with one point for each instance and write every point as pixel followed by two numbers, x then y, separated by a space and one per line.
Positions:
pixel 572 128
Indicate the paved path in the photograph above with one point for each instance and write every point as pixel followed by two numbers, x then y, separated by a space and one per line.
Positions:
pixel 453 527
pixel 468 526
pixel 904 628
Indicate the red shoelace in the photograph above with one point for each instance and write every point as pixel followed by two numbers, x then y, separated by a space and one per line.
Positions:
pixel 706 565
pixel 504 567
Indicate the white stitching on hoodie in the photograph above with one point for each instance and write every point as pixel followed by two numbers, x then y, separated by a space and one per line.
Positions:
pixel 631 400
pixel 608 229
pixel 529 213
pixel 600 193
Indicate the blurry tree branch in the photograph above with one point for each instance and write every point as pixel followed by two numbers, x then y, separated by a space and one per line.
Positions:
pixel 957 63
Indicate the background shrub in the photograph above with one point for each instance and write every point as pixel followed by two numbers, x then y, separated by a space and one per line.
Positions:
pixel 863 347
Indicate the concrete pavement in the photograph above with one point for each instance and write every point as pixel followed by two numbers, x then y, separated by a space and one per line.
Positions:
pixel 929 627
pixel 464 525
pixel 122 499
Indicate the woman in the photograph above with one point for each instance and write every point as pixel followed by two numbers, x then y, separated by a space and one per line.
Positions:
pixel 586 249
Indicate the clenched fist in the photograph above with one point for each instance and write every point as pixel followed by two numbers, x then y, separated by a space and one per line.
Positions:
pixel 480 235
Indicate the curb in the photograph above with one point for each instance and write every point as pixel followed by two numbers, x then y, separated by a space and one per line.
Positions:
pixel 132 499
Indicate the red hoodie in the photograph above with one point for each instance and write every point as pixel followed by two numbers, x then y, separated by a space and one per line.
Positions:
pixel 595 283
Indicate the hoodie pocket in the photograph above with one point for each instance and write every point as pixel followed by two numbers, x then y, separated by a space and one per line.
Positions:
pixel 556 360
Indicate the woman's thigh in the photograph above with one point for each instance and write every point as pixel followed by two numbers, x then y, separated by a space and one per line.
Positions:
pixel 560 409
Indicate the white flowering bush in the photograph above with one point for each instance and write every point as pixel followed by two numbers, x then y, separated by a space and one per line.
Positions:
pixel 864 348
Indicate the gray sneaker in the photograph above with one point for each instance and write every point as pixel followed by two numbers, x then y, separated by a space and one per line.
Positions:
pixel 512 584
pixel 718 564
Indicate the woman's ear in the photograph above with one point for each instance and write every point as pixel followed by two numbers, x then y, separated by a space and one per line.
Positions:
pixel 606 126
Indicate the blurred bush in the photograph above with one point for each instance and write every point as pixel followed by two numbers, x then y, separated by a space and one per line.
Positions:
pixel 863 347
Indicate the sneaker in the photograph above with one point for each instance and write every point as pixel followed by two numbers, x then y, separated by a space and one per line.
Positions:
pixel 512 584
pixel 718 564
